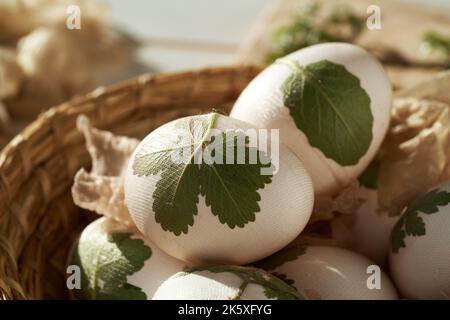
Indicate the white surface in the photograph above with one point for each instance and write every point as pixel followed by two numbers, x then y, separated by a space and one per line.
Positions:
pixel 206 20
pixel 223 24
pixel 217 23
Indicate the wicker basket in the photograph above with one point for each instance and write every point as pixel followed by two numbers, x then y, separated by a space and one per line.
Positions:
pixel 38 219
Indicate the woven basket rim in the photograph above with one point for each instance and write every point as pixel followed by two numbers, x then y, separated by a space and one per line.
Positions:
pixel 103 91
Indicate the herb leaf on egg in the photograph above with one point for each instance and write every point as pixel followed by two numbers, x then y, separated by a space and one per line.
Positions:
pixel 231 190
pixel 411 224
pixel 274 288
pixel 284 278
pixel 107 262
pixel 313 24
pixel 328 104
pixel 281 257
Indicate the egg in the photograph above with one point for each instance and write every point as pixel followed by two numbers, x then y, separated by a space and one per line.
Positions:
pixel 115 263
pixel 419 258
pixel 225 282
pixel 331 103
pixel 329 273
pixel 230 213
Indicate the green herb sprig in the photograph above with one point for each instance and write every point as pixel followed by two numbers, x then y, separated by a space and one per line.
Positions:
pixel 311 26
pixel 437 43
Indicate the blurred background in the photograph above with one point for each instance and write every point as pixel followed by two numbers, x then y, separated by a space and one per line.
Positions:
pixel 54 50
pixel 184 34
pixel 179 34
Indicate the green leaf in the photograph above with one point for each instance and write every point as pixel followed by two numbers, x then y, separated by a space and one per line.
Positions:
pixel 312 25
pixel 430 202
pixel 106 262
pixel 125 292
pixel 369 178
pixel 398 237
pixel 284 278
pixel 411 224
pixel 273 286
pixel 176 197
pixel 281 257
pixel 276 294
pixel 231 190
pixel 414 225
pixel 437 42
pixel 331 108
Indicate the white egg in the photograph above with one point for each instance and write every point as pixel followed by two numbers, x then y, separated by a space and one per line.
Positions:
pixel 320 272
pixel 117 264
pixel 233 221
pixel 222 282
pixel 262 104
pixel 420 256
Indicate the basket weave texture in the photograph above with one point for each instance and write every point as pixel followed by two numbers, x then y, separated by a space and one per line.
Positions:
pixel 38 219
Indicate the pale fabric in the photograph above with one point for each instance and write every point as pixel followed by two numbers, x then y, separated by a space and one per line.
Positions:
pixel 101 190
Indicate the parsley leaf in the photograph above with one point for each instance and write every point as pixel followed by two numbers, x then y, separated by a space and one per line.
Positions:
pixel 331 108
pixel 281 257
pixel 439 43
pixel 398 236
pixel 411 224
pixel 285 278
pixel 414 225
pixel 273 286
pixel 311 25
pixel 231 190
